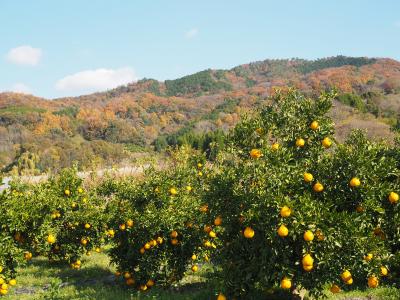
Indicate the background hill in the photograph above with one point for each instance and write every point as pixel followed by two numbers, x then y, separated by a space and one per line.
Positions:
pixel 38 135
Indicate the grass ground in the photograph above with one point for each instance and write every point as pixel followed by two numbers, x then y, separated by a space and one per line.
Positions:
pixel 50 280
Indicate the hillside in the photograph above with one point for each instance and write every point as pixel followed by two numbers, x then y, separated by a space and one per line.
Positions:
pixel 38 135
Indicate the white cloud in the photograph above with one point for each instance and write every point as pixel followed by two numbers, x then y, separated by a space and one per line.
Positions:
pixel 24 55
pixel 96 80
pixel 21 88
pixel 191 33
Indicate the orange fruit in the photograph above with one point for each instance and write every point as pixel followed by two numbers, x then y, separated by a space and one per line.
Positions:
pixel 314 125
pixel 87 225
pixel 285 212
pixel 308 177
pixel 147 246
pixel 283 231
pixel 218 221
pixel 255 153
pixel 127 275
pixel 12 282
pixel 248 233
pixel 393 197
pixel 174 234
pixel 160 240
pixel 286 283
pixel 129 223
pixel 300 142
pixel 275 146
pixel 326 142
pixel 195 268
pixel 346 275
pixel 212 234
pixel 194 257
pixel 335 289
pixel 174 242
pixel 368 257
pixel 150 283
pixel 130 281
pixel 373 281
pixel 221 296
pixel 51 239
pixel 355 182
pixel 173 191
pixel 384 271
pixel 318 187
pixel 308 236
pixel 307 260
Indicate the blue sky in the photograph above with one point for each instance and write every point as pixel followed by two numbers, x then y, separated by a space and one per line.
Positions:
pixel 63 48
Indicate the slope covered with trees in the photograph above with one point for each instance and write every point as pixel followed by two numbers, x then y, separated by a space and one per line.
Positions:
pixel 37 135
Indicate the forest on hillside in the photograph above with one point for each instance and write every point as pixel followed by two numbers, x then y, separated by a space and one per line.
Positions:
pixel 39 135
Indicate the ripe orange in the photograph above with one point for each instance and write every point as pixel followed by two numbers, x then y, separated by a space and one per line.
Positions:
pixel 349 282
pixel 12 282
pixel 384 271
pixel 393 197
pixel 84 241
pixel 153 243
pixel 218 221
pixel 255 153
pixel 248 233
pixel 147 246
pixel 212 234
pixel 174 242
pixel 308 177
pixel 174 234
pixel 142 250
pixel 27 256
pixel 373 281
pixel 308 236
pixel 67 192
pixel 188 188
pixel 300 142
pixel 283 231
pixel 368 257
pixel 207 228
pixel 195 268
pixel 318 187
pixel 129 223
pixel 87 225
pixel 127 275
pixel 221 297
pixel 314 125
pixel 307 260
pixel 346 275
pixel 173 191
pixel 275 146
pixel 355 182
pixel 286 283
pixel 3 292
pixel 359 208
pixel 122 227
pixel 160 240
pixel 326 142
pixel 335 289
pixel 51 239
pixel 194 257
pixel 150 283
pixel 143 288
pixel 285 211
pixel 130 281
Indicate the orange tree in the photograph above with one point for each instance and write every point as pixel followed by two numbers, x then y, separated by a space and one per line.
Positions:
pixel 155 230
pixel 296 210
pixel 57 218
